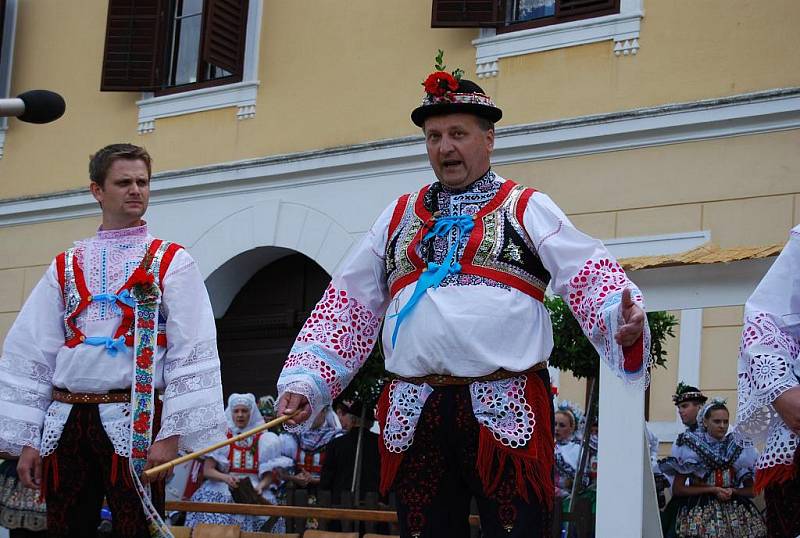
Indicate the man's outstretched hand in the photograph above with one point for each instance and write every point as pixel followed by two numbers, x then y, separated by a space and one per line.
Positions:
pixel 291 402
pixel 633 319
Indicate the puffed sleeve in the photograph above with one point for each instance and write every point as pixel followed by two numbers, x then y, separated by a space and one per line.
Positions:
pixel 269 454
pixel 27 365
pixel 343 327
pixel 591 282
pixel 744 466
pixel 683 460
pixel 193 407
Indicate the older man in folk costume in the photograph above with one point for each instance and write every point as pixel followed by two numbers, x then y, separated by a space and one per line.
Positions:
pixel 116 321
pixel 457 271
pixel 769 387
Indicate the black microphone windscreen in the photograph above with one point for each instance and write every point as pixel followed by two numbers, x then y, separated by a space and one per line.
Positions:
pixel 42 106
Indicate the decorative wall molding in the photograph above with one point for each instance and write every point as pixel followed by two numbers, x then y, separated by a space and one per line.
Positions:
pixel 240 94
pixel 622 28
pixel 656 245
pixel 755 113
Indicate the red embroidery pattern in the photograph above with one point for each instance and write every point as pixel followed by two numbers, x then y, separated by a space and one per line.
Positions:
pixel 342 325
pixel 590 288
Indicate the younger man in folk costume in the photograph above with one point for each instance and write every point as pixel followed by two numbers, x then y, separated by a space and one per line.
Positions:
pixel 459 270
pixel 769 387
pixel 116 321
pixel 689 400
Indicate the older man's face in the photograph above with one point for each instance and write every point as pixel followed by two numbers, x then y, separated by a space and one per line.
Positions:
pixel 458 148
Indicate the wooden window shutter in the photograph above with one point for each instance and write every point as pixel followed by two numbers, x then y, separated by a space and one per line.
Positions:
pixel 224 34
pixel 465 13
pixel 582 8
pixel 133 55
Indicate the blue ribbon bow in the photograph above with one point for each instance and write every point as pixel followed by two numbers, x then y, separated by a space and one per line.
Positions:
pixel 112 345
pixel 124 297
pixel 432 277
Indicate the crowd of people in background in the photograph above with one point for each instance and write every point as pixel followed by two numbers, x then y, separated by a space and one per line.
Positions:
pixel 261 468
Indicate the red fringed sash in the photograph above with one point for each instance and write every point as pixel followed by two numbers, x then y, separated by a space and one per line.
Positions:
pixel 777 474
pixel 533 464
pixel 390 461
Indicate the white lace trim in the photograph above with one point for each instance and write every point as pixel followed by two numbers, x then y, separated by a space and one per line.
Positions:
pixel 502 408
pixel 198 427
pixel 780 446
pixel 116 419
pixel 406 401
pixel 18 434
pixel 594 296
pixel 300 384
pixel 54 420
pixel 767 360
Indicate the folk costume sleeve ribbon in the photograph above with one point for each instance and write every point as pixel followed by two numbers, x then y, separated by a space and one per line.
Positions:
pixel 433 276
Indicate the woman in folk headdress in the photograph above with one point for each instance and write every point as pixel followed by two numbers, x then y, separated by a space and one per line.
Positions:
pixel 715 474
pixel 252 459
pixel 568 447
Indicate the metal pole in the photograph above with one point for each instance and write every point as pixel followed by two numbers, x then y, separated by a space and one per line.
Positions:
pixel 357 467
pixel 591 412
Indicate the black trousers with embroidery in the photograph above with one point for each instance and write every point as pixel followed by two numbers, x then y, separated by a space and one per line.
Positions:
pixel 783 505
pixel 81 473
pixel 438 478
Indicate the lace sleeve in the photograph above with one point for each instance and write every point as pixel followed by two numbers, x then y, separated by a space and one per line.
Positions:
pixel 193 407
pixel 343 327
pixel 27 366
pixel 591 282
pixel 768 355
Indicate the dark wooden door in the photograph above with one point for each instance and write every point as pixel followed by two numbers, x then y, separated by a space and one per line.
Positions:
pixel 258 330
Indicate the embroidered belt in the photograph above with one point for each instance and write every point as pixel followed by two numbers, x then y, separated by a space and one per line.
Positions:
pixel 440 380
pixel 115 396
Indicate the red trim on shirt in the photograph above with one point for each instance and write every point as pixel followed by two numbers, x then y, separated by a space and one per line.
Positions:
pixel 397 214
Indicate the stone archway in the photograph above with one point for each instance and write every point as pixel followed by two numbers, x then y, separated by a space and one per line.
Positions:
pixel 260 325
pixel 232 250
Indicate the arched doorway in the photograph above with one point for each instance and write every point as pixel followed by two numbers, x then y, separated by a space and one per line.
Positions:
pixel 258 329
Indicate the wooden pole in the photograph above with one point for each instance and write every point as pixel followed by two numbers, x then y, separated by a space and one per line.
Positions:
pixel 194 455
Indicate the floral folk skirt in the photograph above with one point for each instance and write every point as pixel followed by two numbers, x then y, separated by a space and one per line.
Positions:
pixel 707 517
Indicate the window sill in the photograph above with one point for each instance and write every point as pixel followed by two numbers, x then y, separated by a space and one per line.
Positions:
pixel 623 28
pixel 238 94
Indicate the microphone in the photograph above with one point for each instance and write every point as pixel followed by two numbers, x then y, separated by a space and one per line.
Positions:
pixel 35 106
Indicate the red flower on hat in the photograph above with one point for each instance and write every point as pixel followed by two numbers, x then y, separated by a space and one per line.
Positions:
pixel 440 82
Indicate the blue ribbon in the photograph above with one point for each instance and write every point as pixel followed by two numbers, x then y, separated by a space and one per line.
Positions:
pixel 112 345
pixel 124 297
pixel 432 277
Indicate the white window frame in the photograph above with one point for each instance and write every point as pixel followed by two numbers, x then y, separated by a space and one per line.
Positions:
pixel 238 94
pixel 623 28
pixel 6 61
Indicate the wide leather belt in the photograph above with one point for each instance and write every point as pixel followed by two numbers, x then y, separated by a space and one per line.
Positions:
pixel 117 396
pixel 441 380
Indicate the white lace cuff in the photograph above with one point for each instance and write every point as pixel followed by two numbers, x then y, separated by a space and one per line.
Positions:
pixel 304 385
pixel 17 434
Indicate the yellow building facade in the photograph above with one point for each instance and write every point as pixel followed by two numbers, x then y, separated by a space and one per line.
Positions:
pixel 659 127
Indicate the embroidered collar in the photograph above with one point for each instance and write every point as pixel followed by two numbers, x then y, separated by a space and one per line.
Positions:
pixel 482 184
pixel 714 454
pixel 134 232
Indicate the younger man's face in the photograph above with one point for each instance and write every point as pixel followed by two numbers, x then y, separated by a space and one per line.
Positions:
pixel 688 411
pixel 125 192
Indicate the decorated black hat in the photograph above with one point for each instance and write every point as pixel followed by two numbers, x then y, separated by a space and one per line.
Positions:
pixel 688 393
pixel 448 93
